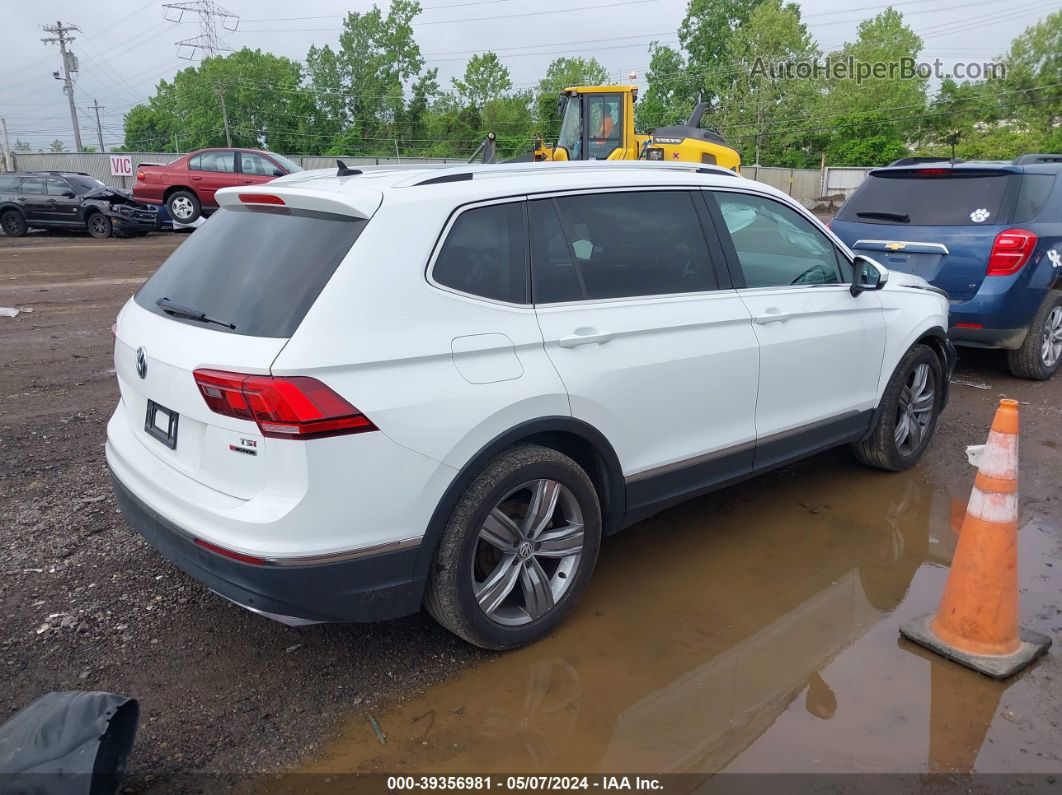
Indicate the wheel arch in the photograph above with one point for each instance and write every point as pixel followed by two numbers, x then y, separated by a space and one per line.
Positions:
pixel 936 339
pixel 574 438
pixel 174 188
pixel 5 207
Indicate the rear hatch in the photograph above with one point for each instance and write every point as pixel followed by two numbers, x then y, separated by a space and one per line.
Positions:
pixel 228 299
pixel 936 222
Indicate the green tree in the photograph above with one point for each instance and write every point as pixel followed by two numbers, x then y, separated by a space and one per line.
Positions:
pixel 891 105
pixel 22 146
pixel 666 100
pixel 560 74
pixel 57 146
pixel 485 78
pixel 705 32
pixel 1034 76
pixel 265 105
pixel 759 101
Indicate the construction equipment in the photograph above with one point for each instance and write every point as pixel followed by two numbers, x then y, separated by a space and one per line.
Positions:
pixel 597 123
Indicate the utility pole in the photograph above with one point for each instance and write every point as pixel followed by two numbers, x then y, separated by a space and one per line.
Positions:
pixel 96 106
pixel 9 158
pixel 63 38
pixel 224 113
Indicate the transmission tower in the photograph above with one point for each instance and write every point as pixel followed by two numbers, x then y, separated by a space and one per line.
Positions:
pixel 62 37
pixel 211 15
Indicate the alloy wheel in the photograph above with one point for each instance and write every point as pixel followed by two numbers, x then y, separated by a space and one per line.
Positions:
pixel 914 411
pixel 182 207
pixel 527 552
pixel 1051 341
pixel 98 224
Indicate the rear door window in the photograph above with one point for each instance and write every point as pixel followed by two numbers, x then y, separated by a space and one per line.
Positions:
pixel 223 162
pixel 8 184
pixel 33 186
pixel 259 269
pixel 618 245
pixel 485 254
pixel 958 198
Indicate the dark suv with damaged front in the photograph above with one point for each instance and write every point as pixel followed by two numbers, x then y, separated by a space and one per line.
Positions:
pixel 68 200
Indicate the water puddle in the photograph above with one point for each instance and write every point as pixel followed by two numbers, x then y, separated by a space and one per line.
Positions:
pixel 750 630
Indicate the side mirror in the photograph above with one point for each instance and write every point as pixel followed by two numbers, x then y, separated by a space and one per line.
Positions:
pixel 868 274
pixel 68 194
pixel 277 172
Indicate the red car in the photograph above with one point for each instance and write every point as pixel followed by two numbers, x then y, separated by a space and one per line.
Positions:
pixel 187 185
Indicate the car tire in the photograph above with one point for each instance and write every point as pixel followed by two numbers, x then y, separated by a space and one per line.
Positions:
pixel 13 223
pixel 907 415
pixel 536 582
pixel 99 226
pixel 1038 357
pixel 184 206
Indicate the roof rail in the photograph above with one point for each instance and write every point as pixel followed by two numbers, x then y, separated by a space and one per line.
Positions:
pixel 1027 160
pixel 59 171
pixel 462 173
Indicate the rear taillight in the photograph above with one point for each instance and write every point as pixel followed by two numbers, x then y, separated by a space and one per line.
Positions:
pixel 228 553
pixel 140 174
pixel 293 407
pixel 1010 252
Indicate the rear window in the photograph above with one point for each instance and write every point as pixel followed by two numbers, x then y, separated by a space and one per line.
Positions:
pixel 259 269
pixel 8 183
pixel 955 199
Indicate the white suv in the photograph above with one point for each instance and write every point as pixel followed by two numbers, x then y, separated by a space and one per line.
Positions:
pixel 348 395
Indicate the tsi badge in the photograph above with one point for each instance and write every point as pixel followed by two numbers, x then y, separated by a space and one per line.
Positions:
pixel 245 446
pixel 141 363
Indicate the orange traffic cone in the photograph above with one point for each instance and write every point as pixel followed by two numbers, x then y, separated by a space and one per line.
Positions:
pixel 977 621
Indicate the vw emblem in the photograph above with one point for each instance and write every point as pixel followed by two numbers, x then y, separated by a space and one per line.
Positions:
pixel 141 363
pixel 524 550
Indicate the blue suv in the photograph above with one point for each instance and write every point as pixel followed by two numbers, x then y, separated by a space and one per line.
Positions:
pixel 989 234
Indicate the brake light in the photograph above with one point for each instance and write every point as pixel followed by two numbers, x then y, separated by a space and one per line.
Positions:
pixel 293 407
pixel 1010 252
pixel 933 171
pixel 260 198
pixel 140 174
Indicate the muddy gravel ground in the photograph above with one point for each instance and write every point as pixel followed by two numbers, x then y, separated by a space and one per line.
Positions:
pixel 85 604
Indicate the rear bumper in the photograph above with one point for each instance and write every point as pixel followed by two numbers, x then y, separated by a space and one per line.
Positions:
pixel 1008 338
pixel 372 587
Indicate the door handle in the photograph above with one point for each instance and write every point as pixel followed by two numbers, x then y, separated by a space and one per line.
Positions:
pixel 197 179
pixel 51 201
pixel 585 336
pixel 772 315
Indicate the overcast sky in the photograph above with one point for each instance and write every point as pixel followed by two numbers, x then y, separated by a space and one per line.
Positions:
pixel 125 47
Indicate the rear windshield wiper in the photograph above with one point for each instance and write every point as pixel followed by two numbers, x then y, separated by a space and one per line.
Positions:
pixel 901 217
pixel 175 309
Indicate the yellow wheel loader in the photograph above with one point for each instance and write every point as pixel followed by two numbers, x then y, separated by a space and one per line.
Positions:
pixel 597 123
